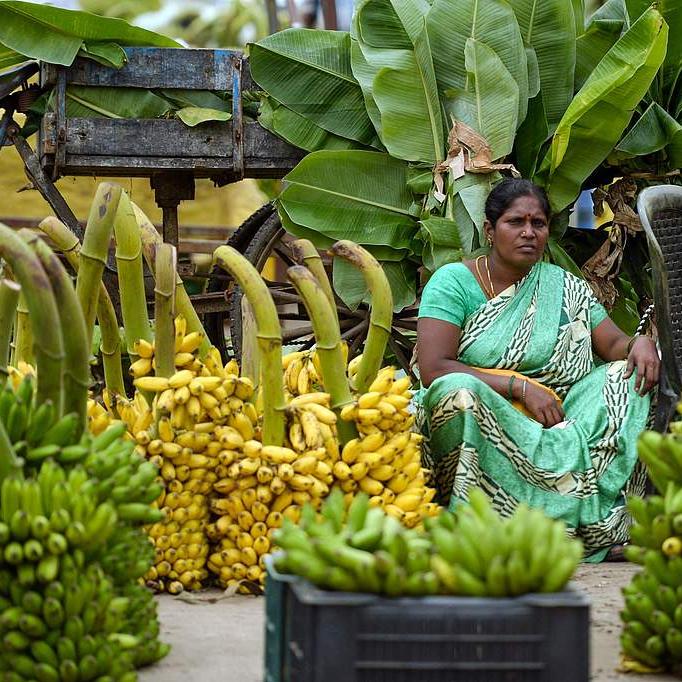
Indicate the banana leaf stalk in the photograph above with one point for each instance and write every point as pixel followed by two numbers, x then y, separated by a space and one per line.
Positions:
pixel 164 310
pixel 93 254
pixel 9 298
pixel 305 253
pixel 76 347
pixel 48 347
pixel 151 241
pixel 23 336
pixel 269 336
pixel 110 345
pixel 130 276
pixel 328 344
pixel 381 312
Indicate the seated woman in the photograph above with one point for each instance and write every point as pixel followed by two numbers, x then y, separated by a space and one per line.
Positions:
pixel 548 425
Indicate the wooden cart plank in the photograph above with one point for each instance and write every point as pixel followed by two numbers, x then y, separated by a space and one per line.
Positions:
pixel 142 147
pixel 194 69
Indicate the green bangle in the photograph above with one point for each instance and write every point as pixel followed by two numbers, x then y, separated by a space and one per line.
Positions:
pixel 512 378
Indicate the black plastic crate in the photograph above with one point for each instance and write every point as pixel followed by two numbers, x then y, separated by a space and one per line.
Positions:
pixel 315 635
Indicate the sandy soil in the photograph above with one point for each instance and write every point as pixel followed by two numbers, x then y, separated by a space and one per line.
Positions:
pixel 220 639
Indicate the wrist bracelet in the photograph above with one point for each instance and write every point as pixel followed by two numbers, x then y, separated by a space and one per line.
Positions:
pixel 631 343
pixel 523 392
pixel 512 378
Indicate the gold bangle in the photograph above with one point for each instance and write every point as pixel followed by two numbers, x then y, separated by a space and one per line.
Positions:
pixel 523 392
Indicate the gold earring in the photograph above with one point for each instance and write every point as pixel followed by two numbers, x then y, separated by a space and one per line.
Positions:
pixel 490 240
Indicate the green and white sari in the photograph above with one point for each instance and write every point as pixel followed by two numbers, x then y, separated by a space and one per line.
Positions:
pixel 580 470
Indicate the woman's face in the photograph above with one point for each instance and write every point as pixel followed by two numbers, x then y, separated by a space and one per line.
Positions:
pixel 521 232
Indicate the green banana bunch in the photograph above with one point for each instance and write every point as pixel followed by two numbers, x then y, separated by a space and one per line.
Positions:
pixel 489 556
pixel 142 622
pixel 473 552
pixel 652 617
pixel 60 616
pixel 662 454
pixel 120 474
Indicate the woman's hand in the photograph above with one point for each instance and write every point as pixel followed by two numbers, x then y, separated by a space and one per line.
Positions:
pixel 543 406
pixel 643 357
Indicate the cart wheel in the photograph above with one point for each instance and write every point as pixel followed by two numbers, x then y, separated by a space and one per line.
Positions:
pixel 264 240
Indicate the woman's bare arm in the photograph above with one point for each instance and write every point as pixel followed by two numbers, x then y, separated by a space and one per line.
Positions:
pixel 438 344
pixel 610 343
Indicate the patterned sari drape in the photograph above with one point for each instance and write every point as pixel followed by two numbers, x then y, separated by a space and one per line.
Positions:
pixel 579 470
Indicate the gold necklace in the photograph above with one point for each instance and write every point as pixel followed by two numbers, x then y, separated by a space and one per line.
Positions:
pixel 490 290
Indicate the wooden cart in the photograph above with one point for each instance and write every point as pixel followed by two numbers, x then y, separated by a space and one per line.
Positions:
pixel 173 155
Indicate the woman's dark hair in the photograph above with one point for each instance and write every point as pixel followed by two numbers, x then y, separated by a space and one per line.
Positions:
pixel 506 192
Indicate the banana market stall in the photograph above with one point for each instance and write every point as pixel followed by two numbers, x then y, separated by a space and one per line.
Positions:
pixel 300 474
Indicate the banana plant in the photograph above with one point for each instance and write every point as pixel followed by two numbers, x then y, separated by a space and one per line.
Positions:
pixel 414 114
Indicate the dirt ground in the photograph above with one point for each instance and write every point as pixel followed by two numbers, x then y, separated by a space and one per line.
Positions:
pixel 220 639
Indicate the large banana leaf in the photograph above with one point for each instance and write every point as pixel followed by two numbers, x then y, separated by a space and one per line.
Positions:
pixel 606 26
pixel 364 73
pixel 489 103
pixel 87 102
pixel 298 130
pixel 672 13
pixel 653 131
pixel 466 207
pixel 548 26
pixel 309 72
pixel 442 243
pixel 394 42
pixel 579 15
pixel 382 253
pixel 451 23
pixel 109 54
pixel 356 195
pixel 603 107
pixel 9 58
pixel 352 290
pixel 531 137
pixel 56 35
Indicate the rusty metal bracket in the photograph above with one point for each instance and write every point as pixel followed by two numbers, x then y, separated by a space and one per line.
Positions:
pixel 169 190
pixel 237 60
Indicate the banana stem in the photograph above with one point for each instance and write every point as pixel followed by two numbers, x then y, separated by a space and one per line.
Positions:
pixel 164 310
pixel 305 253
pixel 110 345
pixel 94 252
pixel 76 346
pixel 9 299
pixel 328 344
pixel 130 276
pixel 23 335
pixel 269 335
pixel 151 241
pixel 36 289
pixel 381 313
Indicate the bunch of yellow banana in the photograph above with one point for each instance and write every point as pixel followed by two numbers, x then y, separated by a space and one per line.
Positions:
pixel 260 484
pixel 311 426
pixel 186 346
pixel 99 417
pixel 186 461
pixel 385 460
pixel 17 374
pixel 301 372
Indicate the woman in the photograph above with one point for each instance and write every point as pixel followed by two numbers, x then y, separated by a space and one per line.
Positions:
pixel 548 426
